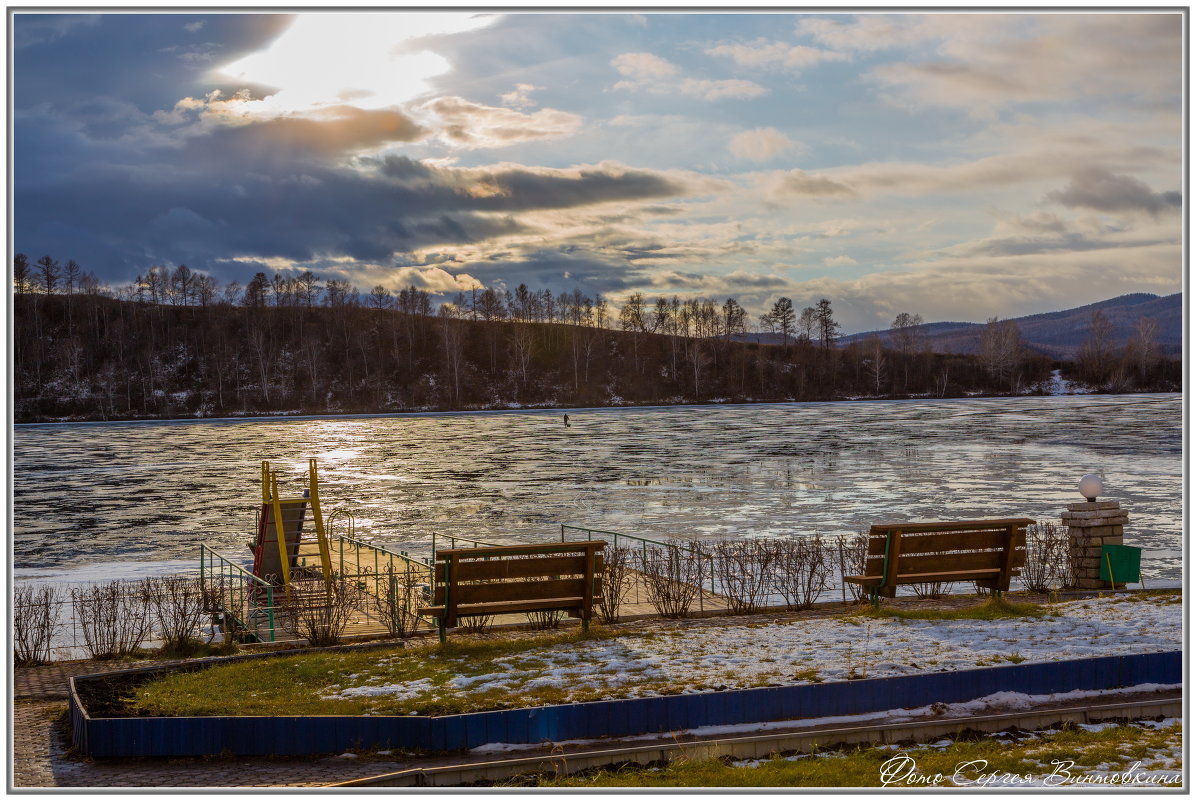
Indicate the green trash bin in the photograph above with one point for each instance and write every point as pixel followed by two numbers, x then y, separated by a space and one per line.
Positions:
pixel 1120 564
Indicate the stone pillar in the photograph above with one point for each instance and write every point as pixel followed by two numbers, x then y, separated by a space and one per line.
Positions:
pixel 1089 526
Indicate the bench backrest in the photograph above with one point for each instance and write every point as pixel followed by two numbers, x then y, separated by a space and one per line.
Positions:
pixel 942 547
pixel 511 574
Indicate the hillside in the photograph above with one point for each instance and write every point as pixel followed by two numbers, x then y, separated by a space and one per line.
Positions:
pixel 1060 334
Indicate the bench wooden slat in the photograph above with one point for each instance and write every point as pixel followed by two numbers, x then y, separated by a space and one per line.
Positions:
pixel 960 525
pixel 528 567
pixel 488 552
pixel 986 551
pixel 511 590
pixel 505 607
pixel 918 578
pixel 933 562
pixel 936 542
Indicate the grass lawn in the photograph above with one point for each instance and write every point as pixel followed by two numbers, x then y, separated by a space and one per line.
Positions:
pixel 662 658
pixel 1051 758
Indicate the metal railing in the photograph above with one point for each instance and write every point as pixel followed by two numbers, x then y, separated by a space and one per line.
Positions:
pixel 643 544
pixel 245 600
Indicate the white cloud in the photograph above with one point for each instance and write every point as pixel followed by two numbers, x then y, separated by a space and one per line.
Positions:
pixel 765 54
pixel 520 97
pixel 719 90
pixel 643 66
pixel 759 144
pixel 473 125
pixel 985 63
pixel 839 261
pixel 195 27
pixel 649 73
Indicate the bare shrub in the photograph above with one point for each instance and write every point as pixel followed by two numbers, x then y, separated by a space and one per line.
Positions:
pixel 35 614
pixel 743 569
pixel 852 551
pixel 475 624
pixel 930 589
pixel 1048 557
pixel 321 612
pixel 545 618
pixel 113 616
pixel 177 605
pixel 672 575
pixel 400 593
pixel 801 569
pixel 616 582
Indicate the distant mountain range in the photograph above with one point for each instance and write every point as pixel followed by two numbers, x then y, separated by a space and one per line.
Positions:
pixel 1055 334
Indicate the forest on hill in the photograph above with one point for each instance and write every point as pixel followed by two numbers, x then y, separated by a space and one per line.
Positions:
pixel 175 344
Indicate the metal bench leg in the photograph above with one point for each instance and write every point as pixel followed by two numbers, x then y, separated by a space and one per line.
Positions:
pixel 874 596
pixel 443 632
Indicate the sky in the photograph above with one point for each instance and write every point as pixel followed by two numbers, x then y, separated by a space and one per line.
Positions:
pixel 957 166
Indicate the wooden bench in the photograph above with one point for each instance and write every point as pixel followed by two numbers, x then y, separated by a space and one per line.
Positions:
pixel 988 552
pixel 563 576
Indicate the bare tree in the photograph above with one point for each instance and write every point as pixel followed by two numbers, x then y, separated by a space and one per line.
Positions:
pixel 1048 558
pixel 876 364
pixel 36 610
pixel 402 591
pixel 852 551
pixel 905 332
pixel 113 616
pixel 672 576
pixel 781 319
pixel 802 567
pixel 828 329
pixel 616 582
pixel 177 604
pixel 322 611
pixel 1001 349
pixel 1096 352
pixel 744 572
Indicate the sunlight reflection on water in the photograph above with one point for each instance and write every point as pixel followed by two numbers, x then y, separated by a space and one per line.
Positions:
pixel 123 493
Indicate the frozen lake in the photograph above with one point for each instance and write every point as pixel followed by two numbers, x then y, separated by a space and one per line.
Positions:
pixel 124 499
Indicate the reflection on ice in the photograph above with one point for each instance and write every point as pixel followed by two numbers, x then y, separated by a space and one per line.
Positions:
pixel 103 495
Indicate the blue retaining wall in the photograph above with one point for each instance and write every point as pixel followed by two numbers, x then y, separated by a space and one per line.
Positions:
pixel 247 736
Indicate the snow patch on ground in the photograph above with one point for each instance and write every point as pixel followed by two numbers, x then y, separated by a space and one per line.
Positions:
pixel 732 656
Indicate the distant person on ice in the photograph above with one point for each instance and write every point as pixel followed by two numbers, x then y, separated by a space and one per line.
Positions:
pixel 567 422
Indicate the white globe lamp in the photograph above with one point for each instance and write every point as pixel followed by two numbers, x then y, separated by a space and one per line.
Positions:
pixel 1091 487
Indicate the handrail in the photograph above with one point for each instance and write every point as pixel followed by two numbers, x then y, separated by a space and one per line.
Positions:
pixel 618 536
pixel 205 548
pixel 454 539
pixel 403 555
pixel 246 599
pixel 645 542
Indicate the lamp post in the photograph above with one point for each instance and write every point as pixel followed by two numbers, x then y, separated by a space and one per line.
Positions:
pixel 1091 487
pixel 1091 525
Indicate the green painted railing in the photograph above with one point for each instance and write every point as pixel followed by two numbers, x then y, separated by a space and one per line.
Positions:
pixel 243 597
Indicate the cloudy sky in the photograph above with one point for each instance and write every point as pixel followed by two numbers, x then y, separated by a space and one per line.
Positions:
pixel 959 166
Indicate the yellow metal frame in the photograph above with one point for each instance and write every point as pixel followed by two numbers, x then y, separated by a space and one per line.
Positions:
pixel 271 497
pixel 314 490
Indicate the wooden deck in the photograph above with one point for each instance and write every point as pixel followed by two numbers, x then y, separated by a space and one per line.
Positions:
pixel 370 571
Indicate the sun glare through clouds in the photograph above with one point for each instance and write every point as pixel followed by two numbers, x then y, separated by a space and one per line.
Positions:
pixel 365 60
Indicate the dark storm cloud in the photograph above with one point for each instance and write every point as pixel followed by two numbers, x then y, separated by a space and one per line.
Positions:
pixel 265 190
pixel 560 269
pixel 131 56
pixel 35 29
pixel 111 172
pixel 286 138
pixel 1099 189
